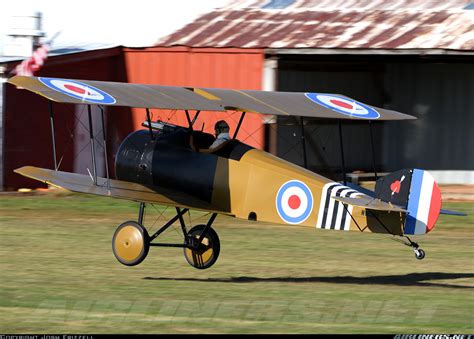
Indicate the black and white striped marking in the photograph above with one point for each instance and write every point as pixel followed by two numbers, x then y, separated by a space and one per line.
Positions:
pixel 333 214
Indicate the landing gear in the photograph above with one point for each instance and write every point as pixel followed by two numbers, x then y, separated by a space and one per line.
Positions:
pixel 419 253
pixel 202 254
pixel 131 241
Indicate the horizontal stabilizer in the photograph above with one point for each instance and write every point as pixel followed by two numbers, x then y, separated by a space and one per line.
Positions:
pixel 370 203
pixel 117 188
pixel 361 189
pixel 448 212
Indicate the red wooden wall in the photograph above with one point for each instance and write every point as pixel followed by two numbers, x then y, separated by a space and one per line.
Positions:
pixel 27 134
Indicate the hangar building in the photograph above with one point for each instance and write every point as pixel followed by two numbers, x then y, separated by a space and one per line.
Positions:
pixel 414 57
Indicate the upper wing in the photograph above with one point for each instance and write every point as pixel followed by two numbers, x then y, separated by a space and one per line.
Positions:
pixel 117 188
pixel 115 93
pixel 315 105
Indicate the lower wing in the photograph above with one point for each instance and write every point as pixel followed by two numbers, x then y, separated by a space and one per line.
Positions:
pixel 116 188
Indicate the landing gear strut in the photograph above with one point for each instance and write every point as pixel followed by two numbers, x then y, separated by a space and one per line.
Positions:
pixel 419 253
pixel 131 241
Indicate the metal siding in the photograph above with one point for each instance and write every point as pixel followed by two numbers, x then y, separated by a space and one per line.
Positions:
pixel 2 95
pixel 27 136
pixel 221 68
pixel 322 136
pixel 27 139
pixel 439 94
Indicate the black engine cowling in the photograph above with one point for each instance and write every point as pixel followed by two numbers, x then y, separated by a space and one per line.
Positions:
pixel 169 161
pixel 134 159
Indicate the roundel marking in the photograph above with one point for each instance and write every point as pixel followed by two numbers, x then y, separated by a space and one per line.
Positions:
pixel 343 105
pixel 294 202
pixel 78 90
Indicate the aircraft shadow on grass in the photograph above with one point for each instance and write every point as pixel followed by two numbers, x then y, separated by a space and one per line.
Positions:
pixel 411 279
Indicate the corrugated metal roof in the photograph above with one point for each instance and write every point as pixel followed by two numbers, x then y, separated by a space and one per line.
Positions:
pixel 328 24
pixel 324 5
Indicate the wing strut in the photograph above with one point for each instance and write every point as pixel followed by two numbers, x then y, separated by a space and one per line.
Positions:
pixel 91 135
pixel 188 117
pixel 195 117
pixel 303 144
pixel 373 149
pixel 238 125
pixel 51 118
pixel 104 135
pixel 149 123
pixel 342 153
pixel 189 120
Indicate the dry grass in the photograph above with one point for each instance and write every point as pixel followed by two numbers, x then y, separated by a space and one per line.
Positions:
pixel 58 274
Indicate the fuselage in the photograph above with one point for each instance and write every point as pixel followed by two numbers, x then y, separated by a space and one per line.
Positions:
pixel 242 181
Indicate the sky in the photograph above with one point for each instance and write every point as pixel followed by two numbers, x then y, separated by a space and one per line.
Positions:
pixel 131 23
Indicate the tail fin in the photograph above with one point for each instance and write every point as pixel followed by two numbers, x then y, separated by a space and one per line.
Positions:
pixel 416 191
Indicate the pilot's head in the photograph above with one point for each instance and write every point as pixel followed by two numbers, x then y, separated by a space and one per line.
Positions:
pixel 221 127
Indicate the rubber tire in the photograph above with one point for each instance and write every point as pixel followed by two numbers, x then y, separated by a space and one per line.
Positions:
pixel 214 245
pixel 143 252
pixel 420 254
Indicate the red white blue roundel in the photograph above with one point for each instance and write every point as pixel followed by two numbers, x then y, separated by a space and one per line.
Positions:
pixel 344 105
pixel 78 90
pixel 294 202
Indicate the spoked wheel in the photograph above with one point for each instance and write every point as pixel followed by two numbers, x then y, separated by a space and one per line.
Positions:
pixel 208 251
pixel 130 243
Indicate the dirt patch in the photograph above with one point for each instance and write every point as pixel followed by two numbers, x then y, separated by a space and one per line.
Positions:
pixel 457 192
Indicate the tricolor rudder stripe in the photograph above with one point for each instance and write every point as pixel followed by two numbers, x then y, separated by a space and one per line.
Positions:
pixel 424 203
pixel 332 213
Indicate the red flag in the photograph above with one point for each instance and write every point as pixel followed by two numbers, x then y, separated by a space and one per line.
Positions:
pixel 35 62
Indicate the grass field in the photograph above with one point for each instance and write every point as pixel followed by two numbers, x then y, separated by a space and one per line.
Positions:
pixel 58 275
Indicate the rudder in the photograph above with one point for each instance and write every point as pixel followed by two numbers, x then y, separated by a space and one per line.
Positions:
pixel 416 191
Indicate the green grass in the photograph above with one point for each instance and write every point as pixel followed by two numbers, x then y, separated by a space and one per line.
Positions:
pixel 58 275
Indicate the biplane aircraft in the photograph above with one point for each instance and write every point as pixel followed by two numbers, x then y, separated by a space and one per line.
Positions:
pixel 172 165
